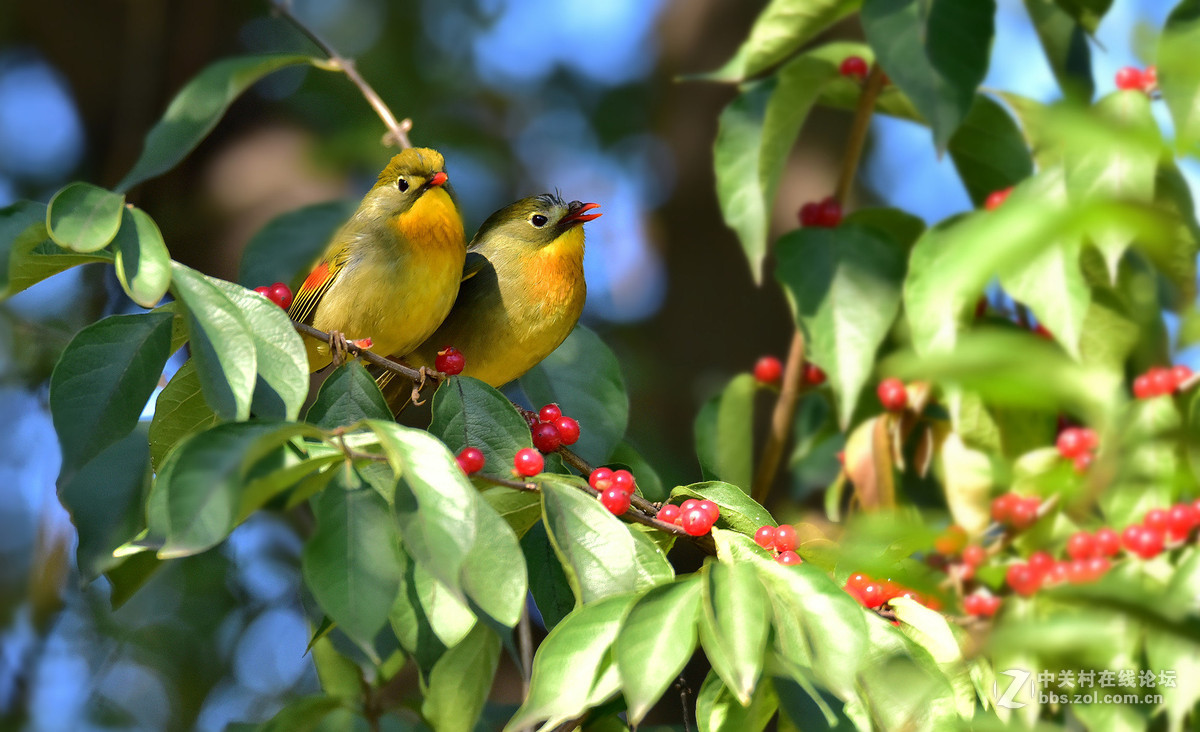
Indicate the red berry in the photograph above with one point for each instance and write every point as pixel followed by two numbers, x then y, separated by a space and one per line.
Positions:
pixel 1002 507
pixel 974 555
pixel 471 460
pixel 768 370
pixel 549 413
pixel 546 438
pixel 1162 381
pixel 951 541
pixel 281 295
pixel 668 513
pixel 450 361
pixel 1040 562
pixel 1057 573
pixel 810 214
pixel 1180 373
pixel 1142 389
pixel 695 521
pixel 995 198
pixel 1083 462
pixel 1089 438
pixel 623 479
pixel 892 394
pixel 829 213
pixel 1156 519
pixel 528 461
pixel 601 479
pixel 789 557
pixel 1097 567
pixel 712 510
pixel 1142 541
pixel 689 504
pixel 1108 542
pixel 765 537
pixel 872 595
pixel 1150 78
pixel 1081 545
pixel 1022 579
pixel 615 500
pixel 1024 514
pixel 1129 78
pixel 857 581
pixel 1181 519
pixel 568 430
pixel 1078 571
pixel 813 375
pixel 981 605
pixel 265 291
pixel 785 538
pixel 1071 442
pixel 855 66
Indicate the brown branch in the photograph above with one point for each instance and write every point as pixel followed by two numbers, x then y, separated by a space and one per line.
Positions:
pixel 397 131
pixel 571 458
pixel 369 356
pixel 514 484
pixel 785 407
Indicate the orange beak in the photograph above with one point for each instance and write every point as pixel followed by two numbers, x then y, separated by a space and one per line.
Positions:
pixel 438 178
pixel 577 213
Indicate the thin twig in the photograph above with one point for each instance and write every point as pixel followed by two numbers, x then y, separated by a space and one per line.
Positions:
pixel 514 484
pixel 397 131
pixel 368 355
pixel 572 458
pixel 785 407
pixel 684 693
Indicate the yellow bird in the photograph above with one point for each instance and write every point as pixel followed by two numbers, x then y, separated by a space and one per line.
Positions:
pixel 521 297
pixel 392 271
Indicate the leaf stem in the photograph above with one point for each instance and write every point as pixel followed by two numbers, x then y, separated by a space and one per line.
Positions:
pixel 397 130
pixel 789 394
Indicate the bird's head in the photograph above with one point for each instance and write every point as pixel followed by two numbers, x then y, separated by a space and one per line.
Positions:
pixel 408 176
pixel 538 221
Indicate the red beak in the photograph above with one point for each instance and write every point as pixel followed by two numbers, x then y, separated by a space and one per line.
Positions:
pixel 438 178
pixel 577 213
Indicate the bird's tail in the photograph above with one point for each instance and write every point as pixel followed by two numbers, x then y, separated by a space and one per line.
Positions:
pixel 397 389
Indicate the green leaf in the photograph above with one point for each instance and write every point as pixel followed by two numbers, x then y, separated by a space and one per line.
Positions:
pixel 594 546
pixel 102 381
pixel 15 219
pixel 1087 13
pixel 222 342
pixel 285 249
pixel 179 411
pixel 547 579
pixel 725 434
pixel 142 260
pixel 435 505
pixel 739 511
pixel 989 151
pixel 652 566
pixel 469 413
pixel 719 710
pixel 282 381
pixel 1053 286
pixel 734 625
pixel 891 661
pixel 197 496
pixel 348 395
pixel 583 377
pixel 339 676
pixel 351 564
pixel 1065 44
pixel 104 499
pixel 842 92
pixel 930 630
pixel 936 51
pixel 782 28
pixel 754 136
pixel 573 668
pixel 843 286
pixel 34 256
pixel 519 509
pixel 1178 74
pixel 649 484
pixel 197 108
pixel 83 217
pixel 409 616
pixel 656 640
pixel 494 576
pixel 460 681
pixel 303 714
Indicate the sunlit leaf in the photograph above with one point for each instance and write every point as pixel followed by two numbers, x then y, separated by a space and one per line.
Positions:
pixel 1178 74
pixel 656 640
pixel 142 260
pixel 725 435
pixel 83 217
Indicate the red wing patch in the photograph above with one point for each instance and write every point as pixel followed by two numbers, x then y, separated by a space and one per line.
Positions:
pixel 317 277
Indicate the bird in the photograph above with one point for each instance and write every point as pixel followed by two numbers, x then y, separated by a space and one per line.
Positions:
pixel 522 294
pixel 390 274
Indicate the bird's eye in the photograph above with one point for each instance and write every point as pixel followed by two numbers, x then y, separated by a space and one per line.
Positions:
pixel 402 185
pixel 538 220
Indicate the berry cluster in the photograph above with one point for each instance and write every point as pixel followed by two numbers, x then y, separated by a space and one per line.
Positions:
pixel 854 67
pixel 616 487
pixel 823 214
pixel 1026 578
pixel 892 394
pixel 995 198
pixel 696 517
pixel 781 540
pixel 1160 381
pixel 1016 512
pixel 550 429
pixel 1077 444
pixel 871 593
pixel 450 361
pixel 1129 78
pixel 278 293
pixel 981 604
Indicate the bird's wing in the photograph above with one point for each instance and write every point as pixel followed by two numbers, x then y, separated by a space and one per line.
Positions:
pixel 317 284
pixel 475 262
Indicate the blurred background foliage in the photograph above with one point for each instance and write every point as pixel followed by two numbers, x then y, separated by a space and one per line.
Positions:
pixel 522 96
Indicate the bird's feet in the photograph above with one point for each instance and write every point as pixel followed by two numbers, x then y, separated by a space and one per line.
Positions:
pixel 339 347
pixel 419 384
